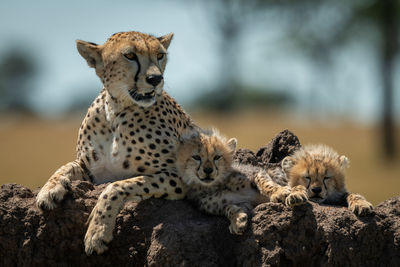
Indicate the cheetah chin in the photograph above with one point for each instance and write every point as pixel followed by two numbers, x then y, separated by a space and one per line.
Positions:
pixel 206 179
pixel 145 97
pixel 317 199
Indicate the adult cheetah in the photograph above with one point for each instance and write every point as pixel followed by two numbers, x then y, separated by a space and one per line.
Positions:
pixel 129 135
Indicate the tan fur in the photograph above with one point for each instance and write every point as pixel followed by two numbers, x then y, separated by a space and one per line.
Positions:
pixel 321 170
pixel 226 189
pixel 128 136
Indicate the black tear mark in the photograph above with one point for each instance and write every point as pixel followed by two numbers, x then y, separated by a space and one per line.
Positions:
pixel 136 59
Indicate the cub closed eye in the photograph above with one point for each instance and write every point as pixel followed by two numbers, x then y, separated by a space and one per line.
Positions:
pixel 326 178
pixel 308 178
pixel 217 157
pixel 130 56
pixel 160 56
pixel 196 157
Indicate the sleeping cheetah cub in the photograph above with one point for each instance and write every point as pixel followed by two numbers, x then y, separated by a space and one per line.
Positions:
pixel 321 170
pixel 220 188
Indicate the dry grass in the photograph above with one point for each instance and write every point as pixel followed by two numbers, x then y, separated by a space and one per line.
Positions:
pixel 32 149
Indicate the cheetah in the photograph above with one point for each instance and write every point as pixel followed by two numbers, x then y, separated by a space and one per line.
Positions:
pixel 321 171
pixel 128 136
pixel 216 186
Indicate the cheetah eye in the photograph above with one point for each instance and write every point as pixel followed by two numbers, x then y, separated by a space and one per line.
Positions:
pixel 130 56
pixel 326 178
pixel 196 157
pixel 308 178
pixel 160 56
pixel 217 157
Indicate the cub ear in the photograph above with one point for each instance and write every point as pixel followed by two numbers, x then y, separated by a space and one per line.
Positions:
pixel 166 39
pixel 232 143
pixel 287 163
pixel 344 162
pixel 189 136
pixel 91 52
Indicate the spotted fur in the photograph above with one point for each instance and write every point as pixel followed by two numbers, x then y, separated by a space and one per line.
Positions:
pixel 321 171
pixel 219 187
pixel 128 136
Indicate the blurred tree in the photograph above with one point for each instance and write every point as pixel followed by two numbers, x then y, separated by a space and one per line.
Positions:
pixel 17 72
pixel 387 18
pixel 243 97
pixel 353 21
pixel 230 18
pixel 317 28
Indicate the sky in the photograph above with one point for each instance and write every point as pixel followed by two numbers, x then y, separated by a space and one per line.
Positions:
pixel 48 29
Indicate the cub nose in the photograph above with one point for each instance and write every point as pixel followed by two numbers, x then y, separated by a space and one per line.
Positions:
pixel 154 79
pixel 316 190
pixel 208 170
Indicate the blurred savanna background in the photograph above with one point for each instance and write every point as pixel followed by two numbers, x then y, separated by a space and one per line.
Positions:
pixel 326 70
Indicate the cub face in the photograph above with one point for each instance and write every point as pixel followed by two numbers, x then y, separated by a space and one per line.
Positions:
pixel 130 65
pixel 204 158
pixel 319 169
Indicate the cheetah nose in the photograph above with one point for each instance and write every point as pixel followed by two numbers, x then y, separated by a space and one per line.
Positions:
pixel 154 79
pixel 316 190
pixel 208 170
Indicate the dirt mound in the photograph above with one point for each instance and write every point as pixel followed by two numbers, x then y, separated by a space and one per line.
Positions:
pixel 170 233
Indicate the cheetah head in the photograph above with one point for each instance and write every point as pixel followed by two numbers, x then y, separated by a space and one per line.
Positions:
pixel 318 168
pixel 204 158
pixel 130 65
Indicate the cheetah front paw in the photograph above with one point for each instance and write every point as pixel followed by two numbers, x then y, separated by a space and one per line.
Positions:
pixel 297 196
pixel 238 224
pixel 52 192
pixel 97 235
pixel 280 195
pixel 361 207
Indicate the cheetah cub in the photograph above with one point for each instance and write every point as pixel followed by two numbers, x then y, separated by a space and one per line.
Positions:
pixel 321 171
pixel 219 187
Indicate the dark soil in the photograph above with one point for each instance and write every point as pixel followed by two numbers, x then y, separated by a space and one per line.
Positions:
pixel 173 233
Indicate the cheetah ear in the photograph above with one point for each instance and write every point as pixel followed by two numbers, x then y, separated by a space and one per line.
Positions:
pixel 91 52
pixel 232 143
pixel 166 39
pixel 344 162
pixel 287 163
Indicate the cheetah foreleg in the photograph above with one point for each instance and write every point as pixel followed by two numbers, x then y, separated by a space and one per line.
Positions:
pixel 359 205
pixel 102 218
pixel 58 185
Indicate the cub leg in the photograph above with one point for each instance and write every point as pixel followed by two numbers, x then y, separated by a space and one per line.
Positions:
pixel 277 193
pixel 270 189
pixel 57 186
pixel 298 196
pixel 359 205
pixel 102 218
pixel 238 218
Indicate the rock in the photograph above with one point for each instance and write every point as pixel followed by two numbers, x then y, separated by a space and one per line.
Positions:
pixel 284 144
pixel 169 233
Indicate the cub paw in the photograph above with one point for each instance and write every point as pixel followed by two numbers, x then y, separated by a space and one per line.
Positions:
pixel 280 195
pixel 52 192
pixel 297 196
pixel 361 207
pixel 238 224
